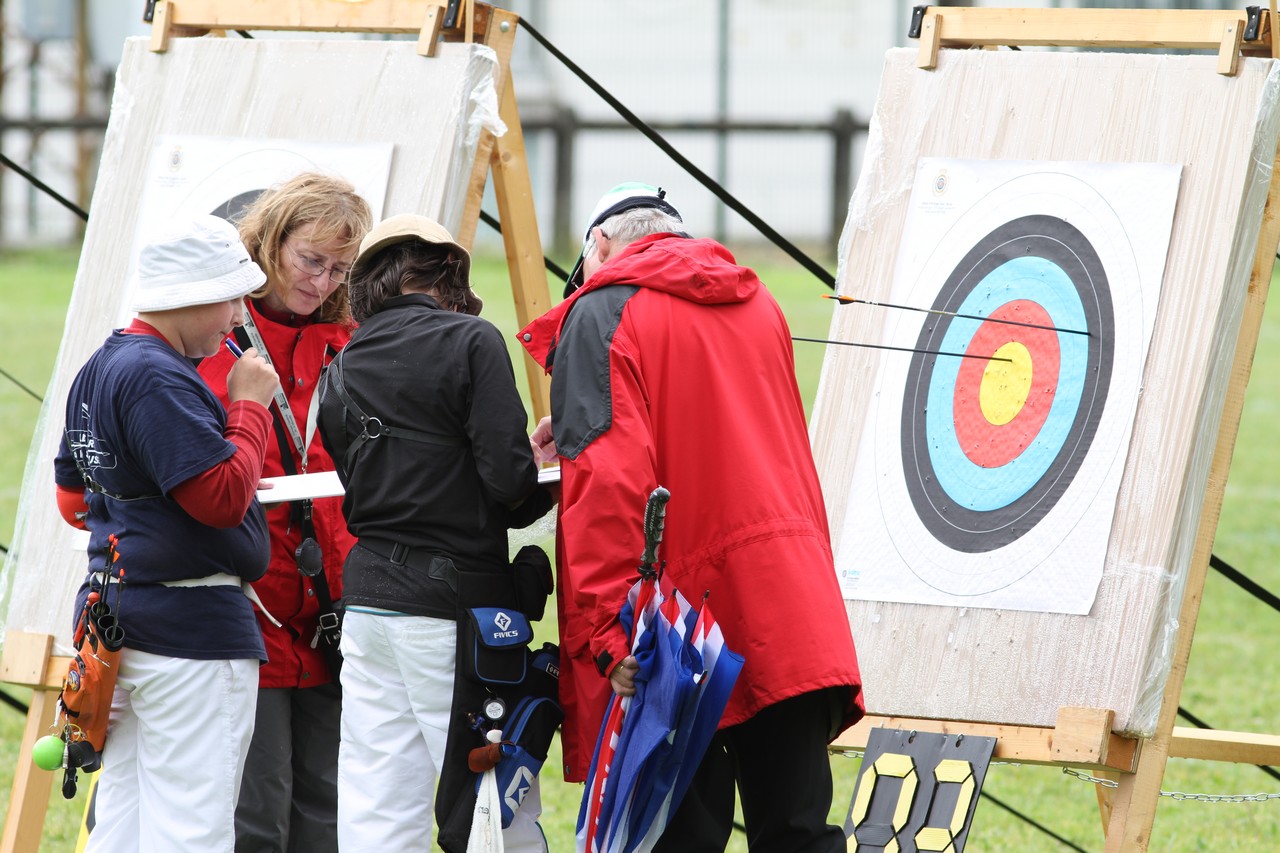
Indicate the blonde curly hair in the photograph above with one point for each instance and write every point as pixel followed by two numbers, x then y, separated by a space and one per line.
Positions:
pixel 340 216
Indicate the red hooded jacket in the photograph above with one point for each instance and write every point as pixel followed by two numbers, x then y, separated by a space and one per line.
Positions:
pixel 298 353
pixel 673 366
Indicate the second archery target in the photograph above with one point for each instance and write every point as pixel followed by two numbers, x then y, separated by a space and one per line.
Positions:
pixel 989 470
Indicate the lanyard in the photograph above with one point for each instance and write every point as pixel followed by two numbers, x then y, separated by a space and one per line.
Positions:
pixel 282 402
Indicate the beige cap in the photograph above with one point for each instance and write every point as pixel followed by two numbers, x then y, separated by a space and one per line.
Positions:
pixel 408 226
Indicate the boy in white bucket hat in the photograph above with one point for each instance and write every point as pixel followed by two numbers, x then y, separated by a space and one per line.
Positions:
pixel 164 478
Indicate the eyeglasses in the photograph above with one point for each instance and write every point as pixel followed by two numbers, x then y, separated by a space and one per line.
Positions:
pixel 313 267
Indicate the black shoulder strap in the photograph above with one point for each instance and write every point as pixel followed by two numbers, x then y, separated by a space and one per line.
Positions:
pixel 372 426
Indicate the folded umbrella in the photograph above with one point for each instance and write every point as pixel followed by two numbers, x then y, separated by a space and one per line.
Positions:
pixel 651 743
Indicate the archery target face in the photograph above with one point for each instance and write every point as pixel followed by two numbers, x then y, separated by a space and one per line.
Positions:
pixel 988 474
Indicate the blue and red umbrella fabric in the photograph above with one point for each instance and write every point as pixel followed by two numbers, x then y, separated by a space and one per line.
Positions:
pixel 652 743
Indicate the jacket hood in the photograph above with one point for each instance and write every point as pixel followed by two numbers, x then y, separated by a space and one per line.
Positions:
pixel 699 270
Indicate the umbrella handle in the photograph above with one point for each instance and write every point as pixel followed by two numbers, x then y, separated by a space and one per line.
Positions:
pixel 655 515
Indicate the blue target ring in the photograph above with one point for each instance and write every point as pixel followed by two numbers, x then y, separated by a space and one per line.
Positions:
pixel 984 489
pixel 1048 262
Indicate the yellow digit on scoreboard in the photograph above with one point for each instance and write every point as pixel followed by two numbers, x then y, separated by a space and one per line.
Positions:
pixel 892 765
pixel 934 839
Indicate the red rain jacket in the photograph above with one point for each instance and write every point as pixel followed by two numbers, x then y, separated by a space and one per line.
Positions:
pixel 673 366
pixel 298 353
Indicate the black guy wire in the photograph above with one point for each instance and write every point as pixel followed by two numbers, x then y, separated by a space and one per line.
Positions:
pixel 1049 832
pixel 1201 724
pixel 1237 577
pixel 551 265
pixel 706 180
pixel 14 380
pixel 48 190
pixel 13 703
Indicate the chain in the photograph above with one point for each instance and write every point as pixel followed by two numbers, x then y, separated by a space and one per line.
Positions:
pixel 1179 795
pixel 1079 774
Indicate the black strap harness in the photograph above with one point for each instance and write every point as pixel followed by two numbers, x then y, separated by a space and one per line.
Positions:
pixel 372 427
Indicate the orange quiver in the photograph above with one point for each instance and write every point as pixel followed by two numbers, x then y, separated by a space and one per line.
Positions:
pixel 84 706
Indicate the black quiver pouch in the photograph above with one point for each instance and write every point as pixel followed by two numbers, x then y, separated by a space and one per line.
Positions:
pixel 497 673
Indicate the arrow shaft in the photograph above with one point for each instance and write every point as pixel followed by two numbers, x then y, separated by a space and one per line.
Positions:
pixel 901 349
pixel 847 300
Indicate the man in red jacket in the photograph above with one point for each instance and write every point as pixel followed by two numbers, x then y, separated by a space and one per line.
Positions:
pixel 673 367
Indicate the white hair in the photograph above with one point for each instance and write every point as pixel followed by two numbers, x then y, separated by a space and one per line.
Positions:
pixel 630 225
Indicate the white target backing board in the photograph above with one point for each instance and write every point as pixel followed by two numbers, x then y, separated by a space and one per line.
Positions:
pixel 403 128
pixel 999 184
pixel 992 455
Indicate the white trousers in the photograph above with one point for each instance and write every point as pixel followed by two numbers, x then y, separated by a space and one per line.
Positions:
pixel 397 692
pixel 176 744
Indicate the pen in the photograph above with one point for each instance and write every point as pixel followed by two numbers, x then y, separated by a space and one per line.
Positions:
pixel 231 345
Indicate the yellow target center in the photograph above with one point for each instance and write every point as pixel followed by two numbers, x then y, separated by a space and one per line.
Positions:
pixel 1005 384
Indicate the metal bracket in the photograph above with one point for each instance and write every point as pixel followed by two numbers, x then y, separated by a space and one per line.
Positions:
pixel 1252 22
pixel 917 20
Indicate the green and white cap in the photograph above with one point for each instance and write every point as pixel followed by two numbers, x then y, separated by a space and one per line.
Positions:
pixel 628 196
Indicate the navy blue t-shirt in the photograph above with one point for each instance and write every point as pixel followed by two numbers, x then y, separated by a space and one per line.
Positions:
pixel 140 421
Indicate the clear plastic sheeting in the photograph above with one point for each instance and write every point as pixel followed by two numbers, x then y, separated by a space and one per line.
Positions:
pixel 430 108
pixel 1019 667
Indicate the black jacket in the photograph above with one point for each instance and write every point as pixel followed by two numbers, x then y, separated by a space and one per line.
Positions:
pixel 454 490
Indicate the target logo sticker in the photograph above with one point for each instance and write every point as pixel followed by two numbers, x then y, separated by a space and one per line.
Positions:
pixel 995 449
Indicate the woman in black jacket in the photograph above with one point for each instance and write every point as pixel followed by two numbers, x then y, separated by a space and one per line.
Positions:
pixel 422 417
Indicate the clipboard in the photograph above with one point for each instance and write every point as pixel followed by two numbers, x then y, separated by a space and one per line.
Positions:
pixel 326 485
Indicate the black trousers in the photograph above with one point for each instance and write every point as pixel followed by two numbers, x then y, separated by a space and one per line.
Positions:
pixel 289 796
pixel 778 760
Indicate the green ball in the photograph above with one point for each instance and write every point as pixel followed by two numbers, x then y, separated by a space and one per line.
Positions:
pixel 47 752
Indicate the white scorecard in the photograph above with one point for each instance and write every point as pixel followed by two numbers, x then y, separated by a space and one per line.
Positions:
pixel 326 484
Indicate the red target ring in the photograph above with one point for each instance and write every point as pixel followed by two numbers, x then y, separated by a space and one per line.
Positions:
pixel 1001 406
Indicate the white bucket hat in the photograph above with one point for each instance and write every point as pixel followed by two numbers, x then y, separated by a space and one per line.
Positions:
pixel 199 263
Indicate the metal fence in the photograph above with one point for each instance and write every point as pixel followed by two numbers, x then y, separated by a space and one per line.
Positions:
pixel 560 126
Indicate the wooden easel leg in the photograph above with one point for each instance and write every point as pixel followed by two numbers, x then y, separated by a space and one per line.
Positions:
pixel 1129 829
pixel 507 159
pixel 29 798
pixel 1106 797
pixel 500 36
pixel 1133 809
pixel 520 238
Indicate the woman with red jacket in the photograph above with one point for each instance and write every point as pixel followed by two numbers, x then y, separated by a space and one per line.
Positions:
pixel 304 234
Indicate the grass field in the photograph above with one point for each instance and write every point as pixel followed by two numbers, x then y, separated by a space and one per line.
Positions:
pixel 1230 683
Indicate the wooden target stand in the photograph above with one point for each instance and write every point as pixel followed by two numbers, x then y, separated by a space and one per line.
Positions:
pixel 27 659
pixel 1082 738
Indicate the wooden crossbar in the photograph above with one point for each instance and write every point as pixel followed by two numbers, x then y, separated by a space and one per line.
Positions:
pixel 424 17
pixel 1032 745
pixel 1082 738
pixel 1230 32
pixel 387 16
